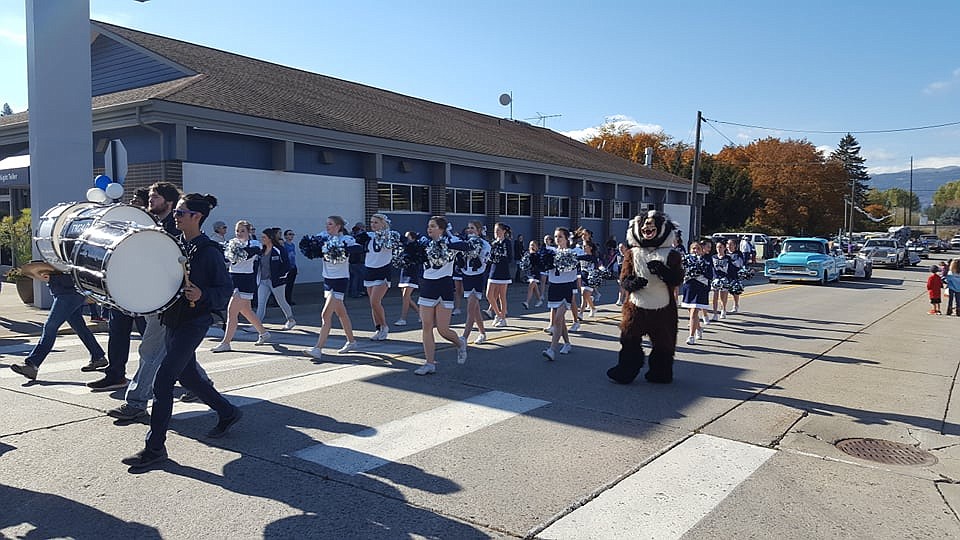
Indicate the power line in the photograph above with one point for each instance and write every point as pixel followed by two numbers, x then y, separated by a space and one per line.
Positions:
pixel 842 132
pixel 721 133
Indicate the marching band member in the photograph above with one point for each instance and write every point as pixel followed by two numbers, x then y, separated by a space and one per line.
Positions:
pixel 474 279
pixel 336 247
pixel 501 254
pixel 186 323
pixel 437 291
pixel 379 244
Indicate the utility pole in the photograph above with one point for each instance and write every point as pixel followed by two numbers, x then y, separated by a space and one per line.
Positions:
pixel 910 201
pixel 694 232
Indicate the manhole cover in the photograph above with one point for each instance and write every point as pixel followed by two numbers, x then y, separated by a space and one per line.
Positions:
pixel 888 452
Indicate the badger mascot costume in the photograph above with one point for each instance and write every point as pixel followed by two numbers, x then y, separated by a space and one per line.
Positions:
pixel 651 270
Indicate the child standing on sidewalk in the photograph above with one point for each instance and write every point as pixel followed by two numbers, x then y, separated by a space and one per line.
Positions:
pixel 953 287
pixel 934 286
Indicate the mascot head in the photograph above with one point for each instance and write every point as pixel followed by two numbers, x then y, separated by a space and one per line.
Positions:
pixel 651 230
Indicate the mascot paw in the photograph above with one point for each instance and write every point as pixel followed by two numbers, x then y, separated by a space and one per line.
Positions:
pixel 620 375
pixel 658 268
pixel 633 283
pixel 658 378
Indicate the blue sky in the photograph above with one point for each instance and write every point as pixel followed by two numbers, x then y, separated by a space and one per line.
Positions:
pixel 807 66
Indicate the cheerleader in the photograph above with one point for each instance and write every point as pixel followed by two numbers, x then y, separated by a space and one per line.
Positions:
pixel 530 265
pixel 740 271
pixel 379 243
pixel 410 263
pixel 589 277
pixel 273 276
pixel 501 254
pixel 548 246
pixel 562 270
pixel 474 279
pixel 722 270
pixel 458 263
pixel 695 291
pixel 243 254
pixel 706 249
pixel 336 247
pixel 437 293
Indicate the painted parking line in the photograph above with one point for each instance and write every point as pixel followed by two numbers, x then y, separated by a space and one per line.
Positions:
pixel 281 387
pixel 667 497
pixel 373 447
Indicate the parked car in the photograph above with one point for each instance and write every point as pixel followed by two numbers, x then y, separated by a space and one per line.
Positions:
pixel 919 248
pixel 955 241
pixel 886 252
pixel 934 243
pixel 805 259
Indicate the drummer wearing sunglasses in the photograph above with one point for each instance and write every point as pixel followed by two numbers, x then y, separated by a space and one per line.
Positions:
pixel 207 287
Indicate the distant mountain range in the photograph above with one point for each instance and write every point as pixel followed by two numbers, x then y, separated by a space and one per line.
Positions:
pixel 925 181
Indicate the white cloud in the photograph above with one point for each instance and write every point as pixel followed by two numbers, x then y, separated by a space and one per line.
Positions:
pixel 940 87
pixel 934 162
pixel 618 120
pixel 13 30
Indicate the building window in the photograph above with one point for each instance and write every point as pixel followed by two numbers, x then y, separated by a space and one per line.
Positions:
pixel 403 198
pixel 621 210
pixel 466 201
pixel 592 208
pixel 515 204
pixel 557 206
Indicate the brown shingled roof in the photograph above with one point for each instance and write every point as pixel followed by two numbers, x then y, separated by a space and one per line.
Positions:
pixel 239 84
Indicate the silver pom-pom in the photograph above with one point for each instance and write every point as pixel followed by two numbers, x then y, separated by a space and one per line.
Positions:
pixel 235 251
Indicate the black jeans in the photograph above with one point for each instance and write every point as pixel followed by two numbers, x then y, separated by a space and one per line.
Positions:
pixel 118 344
pixel 180 363
pixel 288 288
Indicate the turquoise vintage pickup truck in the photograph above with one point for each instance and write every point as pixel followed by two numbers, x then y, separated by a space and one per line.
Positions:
pixel 805 259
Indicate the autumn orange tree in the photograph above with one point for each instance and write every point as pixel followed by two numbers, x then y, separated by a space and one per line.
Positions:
pixel 616 139
pixel 801 191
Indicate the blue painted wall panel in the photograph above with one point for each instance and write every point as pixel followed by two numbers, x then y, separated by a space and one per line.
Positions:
pixel 142 146
pixel 309 159
pixel 469 177
pixel 115 67
pixel 217 148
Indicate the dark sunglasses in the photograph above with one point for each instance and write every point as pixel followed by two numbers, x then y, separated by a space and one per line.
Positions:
pixel 181 213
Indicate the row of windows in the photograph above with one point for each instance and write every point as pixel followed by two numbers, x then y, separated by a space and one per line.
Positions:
pixel 409 198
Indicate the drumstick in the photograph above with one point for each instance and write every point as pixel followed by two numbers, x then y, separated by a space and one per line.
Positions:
pixel 186 276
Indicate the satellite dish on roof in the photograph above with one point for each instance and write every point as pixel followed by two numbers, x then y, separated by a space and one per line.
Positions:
pixel 505 99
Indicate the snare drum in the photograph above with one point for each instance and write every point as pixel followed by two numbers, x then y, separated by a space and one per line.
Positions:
pixel 132 268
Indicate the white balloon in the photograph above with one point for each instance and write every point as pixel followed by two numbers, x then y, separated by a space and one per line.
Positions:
pixel 96 194
pixel 114 190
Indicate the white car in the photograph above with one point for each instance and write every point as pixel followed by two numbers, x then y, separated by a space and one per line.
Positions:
pixel 955 241
pixel 886 252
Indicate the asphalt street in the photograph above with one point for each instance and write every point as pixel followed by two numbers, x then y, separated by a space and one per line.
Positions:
pixel 508 445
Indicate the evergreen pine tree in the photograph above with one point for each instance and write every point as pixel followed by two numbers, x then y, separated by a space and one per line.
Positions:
pixel 848 154
pixel 6 110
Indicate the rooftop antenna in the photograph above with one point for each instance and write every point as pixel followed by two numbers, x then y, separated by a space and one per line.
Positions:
pixel 542 118
pixel 507 99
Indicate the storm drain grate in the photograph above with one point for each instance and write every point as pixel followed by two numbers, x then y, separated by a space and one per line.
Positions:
pixel 887 452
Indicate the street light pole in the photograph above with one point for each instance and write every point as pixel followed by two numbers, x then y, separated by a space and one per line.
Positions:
pixel 694 232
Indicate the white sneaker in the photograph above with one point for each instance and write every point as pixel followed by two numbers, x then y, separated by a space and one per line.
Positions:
pixel 592 313
pixel 539 303
pixel 715 317
pixel 314 352
pixel 456 312
pixel 489 313
pixel 735 309
pixel 480 339
pixel 691 340
pixel 500 323
pixel 400 322
pixel 349 346
pixel 704 321
pixel 525 305
pixel 549 354
pixel 723 314
pixel 290 324
pixel 548 330
pixel 426 369
pixel 384 330
pixel 223 347
pixel 619 302
pixel 263 338
pixel 699 334
pixel 565 349
pixel 378 335
pixel 575 326
pixel 462 351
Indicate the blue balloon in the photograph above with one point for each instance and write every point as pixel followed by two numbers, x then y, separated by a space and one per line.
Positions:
pixel 102 181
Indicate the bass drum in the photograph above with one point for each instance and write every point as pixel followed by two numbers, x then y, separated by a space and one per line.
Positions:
pixel 85 215
pixel 49 227
pixel 132 268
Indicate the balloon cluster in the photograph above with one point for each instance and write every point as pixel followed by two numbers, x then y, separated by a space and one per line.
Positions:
pixel 105 189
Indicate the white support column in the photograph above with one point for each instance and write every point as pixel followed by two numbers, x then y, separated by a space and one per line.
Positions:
pixel 58 89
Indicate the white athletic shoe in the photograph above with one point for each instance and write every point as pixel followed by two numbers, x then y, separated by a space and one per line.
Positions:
pixel 691 340
pixel 500 323
pixel 384 330
pixel 715 317
pixel 223 347
pixel 314 352
pixel 619 302
pixel 548 330
pixel 592 313
pixel 735 309
pixel 456 312
pixel 565 349
pixel 263 338
pixel 539 303
pixel 489 313
pixel 349 346
pixel 723 314
pixel 290 324
pixel 400 322
pixel 426 369
pixel 704 321
pixel 462 351
pixel 549 354
pixel 480 339
pixel 699 334
pixel 525 305
pixel 575 327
